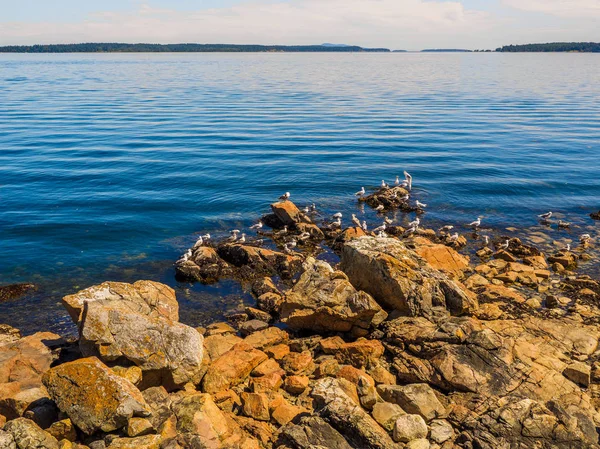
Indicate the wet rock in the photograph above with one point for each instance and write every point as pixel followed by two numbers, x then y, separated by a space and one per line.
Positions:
pixel 324 300
pixel 311 433
pixel 255 260
pixel 22 364
pixel 232 368
pixel 566 259
pixel 205 265
pixel 170 351
pixel 595 215
pixel 288 214
pixel 337 408
pixel 144 297
pixel 408 428
pixel 270 303
pixel 399 279
pixel 28 435
pixel 14 291
pixel 93 397
pixel 389 198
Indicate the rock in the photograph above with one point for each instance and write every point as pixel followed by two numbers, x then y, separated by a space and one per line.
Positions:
pixel 595 215
pixel 27 435
pixel 217 345
pixel 249 327
pixel 277 352
pixel 22 364
pixel 475 281
pixel 8 334
pixel 360 353
pixel 537 262
pixel 442 257
pixel 93 396
pixel 232 368
pixel 144 297
pixel 489 311
pixel 567 259
pixel 337 408
pixel 311 433
pixel 257 314
pixel 298 363
pixel 267 367
pixel 288 214
pixel 143 442
pixel 267 338
pixel 579 373
pixel 270 303
pixel 285 413
pixel 266 383
pixel 349 234
pixel 408 428
pixel 132 373
pixel 255 260
pixel 168 350
pixel 7 441
pixel 205 265
pixel 264 285
pixel 386 414
pixel 399 279
pixel 315 232
pixel 440 431
pixel 295 384
pixel 256 405
pixel 137 427
pixel 15 291
pixel 419 443
pixel 324 300
pixel 497 292
pixel 505 255
pixel 62 430
pixel 389 198
pixel 219 328
pixel 381 375
pixel 417 399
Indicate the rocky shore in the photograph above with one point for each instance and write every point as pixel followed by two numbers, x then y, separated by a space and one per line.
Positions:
pixel 405 343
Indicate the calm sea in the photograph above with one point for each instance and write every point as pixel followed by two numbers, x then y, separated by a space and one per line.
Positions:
pixel 110 164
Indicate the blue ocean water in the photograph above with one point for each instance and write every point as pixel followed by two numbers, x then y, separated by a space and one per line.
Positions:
pixel 111 163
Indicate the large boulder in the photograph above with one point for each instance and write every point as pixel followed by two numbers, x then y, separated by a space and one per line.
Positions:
pixel 442 257
pixel 401 280
pixel 232 368
pixel 324 300
pixel 22 364
pixel 311 432
pixel 342 412
pixel 288 214
pixel 14 291
pixel 253 260
pixel 165 350
pixel 143 297
pixel 93 396
pixel 205 265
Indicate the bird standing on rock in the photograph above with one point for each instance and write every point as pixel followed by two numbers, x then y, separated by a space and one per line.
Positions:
pixel 364 226
pixel 454 237
pixel 505 245
pixel 545 216
pixel 242 239
pixel 206 236
pixel 476 223
pixel 356 221
pixel 416 222
pixel 380 228
pixel 384 185
pixel 199 242
pixel 585 238
pixel 361 192
pixel 486 240
pixel 257 226
pixel 446 228
pixel 285 196
pixel 408 178
pixel 397 181
pixel 379 208
pixel 421 205
pixel 337 215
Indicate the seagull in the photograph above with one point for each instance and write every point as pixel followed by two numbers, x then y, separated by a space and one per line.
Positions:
pixel 242 239
pixel 355 220
pixel 361 192
pixel 379 208
pixel 336 224
pixel 476 223
pixel 486 240
pixel 585 238
pixel 380 228
pixel 381 234
pixel 408 180
pixel 258 225
pixel 563 224
pixel 454 237
pixel 206 236
pixel 421 205
pixel 405 198
pixel 545 216
pixel 283 231
pixel 364 226
pixel 397 181
pixel 410 231
pixel 505 245
pixel 446 228
pixel 304 236
pixel 285 196
pixel 199 242
pixel 306 210
pixel 313 207
pixel 185 257
pixel 258 242
pixel 415 223
pixel 388 220
pixel 384 184
pixel 233 237
pixel 337 215
pixel 568 248
pixel 291 244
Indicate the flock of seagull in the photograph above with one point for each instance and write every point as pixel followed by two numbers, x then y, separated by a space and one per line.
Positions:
pixel 236 236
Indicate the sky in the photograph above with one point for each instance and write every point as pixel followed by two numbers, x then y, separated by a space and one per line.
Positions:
pixel 395 24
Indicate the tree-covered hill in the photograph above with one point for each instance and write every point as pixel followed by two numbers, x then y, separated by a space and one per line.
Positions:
pixel 181 48
pixel 583 47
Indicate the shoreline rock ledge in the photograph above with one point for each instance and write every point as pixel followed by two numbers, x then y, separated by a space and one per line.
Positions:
pixel 402 345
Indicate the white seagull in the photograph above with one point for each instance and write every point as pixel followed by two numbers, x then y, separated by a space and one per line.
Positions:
pixel 199 242
pixel 242 239
pixel 415 223
pixel 421 205
pixel 585 238
pixel 285 196
pixel 336 224
pixel 337 215
pixel 364 226
pixel 476 223
pixel 446 228
pixel 384 184
pixel 486 240
pixel 380 228
pixel 206 236
pixel 258 225
pixel 545 216
pixel 397 181
pixel 454 237
pixel 408 180
pixel 355 221
pixel 505 245
pixel 361 192
pixel 388 221
pixel 379 208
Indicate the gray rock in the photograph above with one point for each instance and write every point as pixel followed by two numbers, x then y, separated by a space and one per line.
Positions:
pixel 417 399
pixel 28 435
pixel 310 432
pixel 409 427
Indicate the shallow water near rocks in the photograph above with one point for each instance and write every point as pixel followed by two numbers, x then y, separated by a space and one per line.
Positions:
pixel 111 164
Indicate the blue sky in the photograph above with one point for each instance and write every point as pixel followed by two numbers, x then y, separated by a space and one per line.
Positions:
pixel 403 24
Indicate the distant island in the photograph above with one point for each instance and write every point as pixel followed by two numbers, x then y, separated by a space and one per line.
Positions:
pixel 445 50
pixel 182 48
pixel 579 47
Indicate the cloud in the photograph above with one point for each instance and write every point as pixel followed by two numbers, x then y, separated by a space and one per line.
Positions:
pixel 561 8
pixel 399 23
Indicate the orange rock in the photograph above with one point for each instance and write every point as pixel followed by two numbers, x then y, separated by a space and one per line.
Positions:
pixel 494 292
pixel 298 363
pixel 232 368
pixel 359 353
pixel 278 352
pixel 256 405
pixel 267 337
pixel 286 412
pixel 441 257
pixel 352 374
pixel 296 384
pixel 263 384
pixel 288 213
pixel 267 367
pixel 328 367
